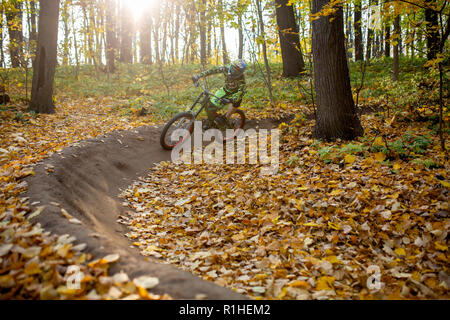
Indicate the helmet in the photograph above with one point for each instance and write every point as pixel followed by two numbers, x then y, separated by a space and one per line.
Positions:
pixel 237 68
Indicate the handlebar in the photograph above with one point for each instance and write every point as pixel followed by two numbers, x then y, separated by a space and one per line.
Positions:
pixel 198 84
pixel 224 100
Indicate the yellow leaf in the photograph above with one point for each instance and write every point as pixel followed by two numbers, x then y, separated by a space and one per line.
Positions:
pixel 416 276
pixel 261 276
pixel 7 281
pixel 66 214
pixel 400 251
pixel 441 247
pixel 299 204
pixel 334 226
pixel 32 268
pixel 380 156
pixel 299 284
pixel 82 258
pixel 66 291
pixel 445 184
pixel 332 259
pixel 64 250
pixel 311 224
pixel 349 158
pixel 325 283
pixel 238 237
pixel 143 293
pixel 397 166
pixel 282 293
pixel 336 192
pixel 378 142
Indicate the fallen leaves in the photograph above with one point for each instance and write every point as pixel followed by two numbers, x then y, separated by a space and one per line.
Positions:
pixel 349 158
pixel 34 264
pixel 325 283
pixel 310 232
pixel 146 282
pixel 69 217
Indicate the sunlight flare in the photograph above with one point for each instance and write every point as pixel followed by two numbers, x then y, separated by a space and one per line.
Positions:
pixel 138 7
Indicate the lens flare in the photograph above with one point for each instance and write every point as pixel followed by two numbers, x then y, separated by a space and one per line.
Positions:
pixel 138 7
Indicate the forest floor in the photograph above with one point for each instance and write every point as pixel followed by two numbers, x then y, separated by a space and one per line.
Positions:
pixel 335 215
pixel 332 217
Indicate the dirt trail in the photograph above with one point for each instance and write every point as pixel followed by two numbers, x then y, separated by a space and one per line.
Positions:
pixel 86 180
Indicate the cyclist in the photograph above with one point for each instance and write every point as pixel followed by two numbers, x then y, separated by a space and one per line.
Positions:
pixel 232 92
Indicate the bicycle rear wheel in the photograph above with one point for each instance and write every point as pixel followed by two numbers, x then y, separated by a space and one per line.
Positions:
pixel 183 120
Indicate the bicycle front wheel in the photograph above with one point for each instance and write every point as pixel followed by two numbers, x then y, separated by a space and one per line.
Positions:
pixel 183 120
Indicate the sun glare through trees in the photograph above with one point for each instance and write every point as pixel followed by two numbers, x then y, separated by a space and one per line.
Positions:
pixel 140 7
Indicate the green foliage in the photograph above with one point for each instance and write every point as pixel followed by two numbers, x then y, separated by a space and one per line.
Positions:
pixel 293 161
pixel 324 153
pixel 20 117
pixel 430 164
pixel 352 148
pixel 329 154
pixel 418 86
pixel 407 146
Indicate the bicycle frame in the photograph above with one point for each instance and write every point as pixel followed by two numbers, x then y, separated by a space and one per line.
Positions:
pixel 205 95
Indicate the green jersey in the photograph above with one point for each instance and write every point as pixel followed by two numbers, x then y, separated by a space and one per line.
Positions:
pixel 234 88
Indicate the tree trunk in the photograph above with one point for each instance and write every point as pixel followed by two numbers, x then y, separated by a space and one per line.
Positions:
pixel 387 41
pixel 14 15
pixel 396 48
pixel 202 28
pixel 75 44
pixel 358 32
pixel 336 112
pixel 432 27
pixel 145 35
pixel 266 61
pixel 164 42
pixel 45 63
pixel 99 28
pixel 376 49
pixel 111 40
pixel 225 58
pixel 2 53
pixel 65 19
pixel 177 30
pixel 209 40
pixel 348 35
pixel 33 12
pixel 126 55
pixel 291 51
pixel 91 34
pixel 172 33
pixel 413 37
pixel 241 36
pixel 399 37
pixel 369 41
pixel 156 35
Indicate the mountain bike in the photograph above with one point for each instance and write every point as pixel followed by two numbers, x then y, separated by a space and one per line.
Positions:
pixel 185 120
